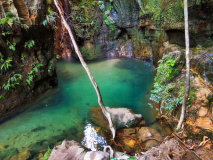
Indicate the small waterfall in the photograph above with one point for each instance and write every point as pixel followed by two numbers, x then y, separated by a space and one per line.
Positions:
pixel 204 72
pixel 92 139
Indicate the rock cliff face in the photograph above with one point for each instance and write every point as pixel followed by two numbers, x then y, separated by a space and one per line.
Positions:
pixel 203 64
pixel 130 34
pixel 27 56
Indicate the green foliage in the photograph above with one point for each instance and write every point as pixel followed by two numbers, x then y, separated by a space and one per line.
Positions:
pixel 1 97
pixel 11 19
pixel 163 11
pixel 109 22
pixel 50 18
pixel 33 72
pixel 107 19
pixel 12 82
pixel 29 79
pixel 86 18
pixel 5 33
pixel 11 45
pixel 47 154
pixel 51 65
pixel 165 94
pixel 170 94
pixel 29 44
pixel 167 70
pixel 6 64
pixel 22 57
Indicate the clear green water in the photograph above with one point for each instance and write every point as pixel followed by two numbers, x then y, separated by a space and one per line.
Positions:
pixel 62 113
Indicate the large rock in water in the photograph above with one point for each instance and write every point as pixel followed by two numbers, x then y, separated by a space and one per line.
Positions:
pixel 69 150
pixel 123 117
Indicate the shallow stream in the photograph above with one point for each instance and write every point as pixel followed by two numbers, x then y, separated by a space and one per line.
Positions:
pixel 62 113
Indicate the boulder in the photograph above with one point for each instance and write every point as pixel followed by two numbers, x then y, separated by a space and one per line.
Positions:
pixel 96 155
pixel 203 112
pixel 151 143
pixel 204 122
pixel 169 147
pixel 149 133
pixel 73 150
pixel 123 117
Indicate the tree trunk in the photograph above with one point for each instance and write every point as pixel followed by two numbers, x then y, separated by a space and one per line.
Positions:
pixel 22 11
pixel 105 112
pixel 63 43
pixel 183 111
pixel 2 11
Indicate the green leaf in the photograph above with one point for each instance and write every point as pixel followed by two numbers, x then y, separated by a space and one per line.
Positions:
pixel 35 69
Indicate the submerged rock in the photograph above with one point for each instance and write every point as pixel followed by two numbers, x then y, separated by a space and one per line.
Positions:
pixel 22 156
pixel 38 129
pixel 6 154
pixel 123 117
pixel 96 117
pixel 73 150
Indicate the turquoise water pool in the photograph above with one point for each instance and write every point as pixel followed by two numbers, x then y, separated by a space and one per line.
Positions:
pixel 62 113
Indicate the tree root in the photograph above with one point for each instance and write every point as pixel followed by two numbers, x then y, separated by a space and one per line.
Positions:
pixel 119 145
pixel 133 138
pixel 189 148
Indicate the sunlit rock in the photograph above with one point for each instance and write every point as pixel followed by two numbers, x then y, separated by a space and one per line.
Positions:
pixel 203 112
pixel 98 155
pixel 123 117
pixel 72 150
pixel 204 122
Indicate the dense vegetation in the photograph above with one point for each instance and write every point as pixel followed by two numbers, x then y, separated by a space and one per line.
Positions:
pixel 126 28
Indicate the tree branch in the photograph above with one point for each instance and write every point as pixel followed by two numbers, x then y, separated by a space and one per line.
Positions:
pixel 105 112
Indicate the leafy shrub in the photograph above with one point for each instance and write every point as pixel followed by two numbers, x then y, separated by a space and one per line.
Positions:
pixel 166 90
pixel 50 18
pixel 107 19
pixel 33 72
pixel 11 45
pixel 12 82
pixel 6 64
pixel 51 65
pixel 11 19
pixel 29 44
pixel 168 67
